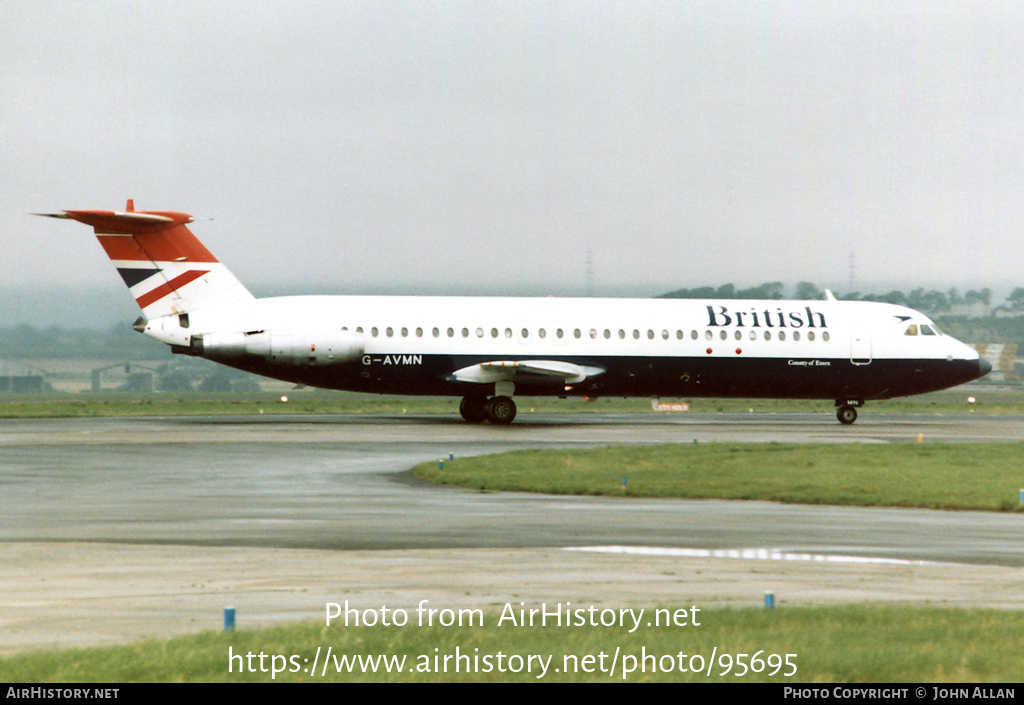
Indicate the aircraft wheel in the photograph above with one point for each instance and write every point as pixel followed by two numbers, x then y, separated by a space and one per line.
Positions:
pixel 473 409
pixel 501 410
pixel 846 415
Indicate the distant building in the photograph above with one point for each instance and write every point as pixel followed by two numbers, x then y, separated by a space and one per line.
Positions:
pixel 1005 312
pixel 1003 359
pixel 977 309
pixel 20 379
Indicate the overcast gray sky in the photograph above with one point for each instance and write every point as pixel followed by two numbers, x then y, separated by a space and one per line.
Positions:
pixel 404 147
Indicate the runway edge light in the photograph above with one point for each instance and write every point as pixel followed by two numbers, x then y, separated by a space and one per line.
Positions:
pixel 229 619
pixel 769 600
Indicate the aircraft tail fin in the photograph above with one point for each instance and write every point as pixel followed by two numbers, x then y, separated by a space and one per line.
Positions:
pixel 162 263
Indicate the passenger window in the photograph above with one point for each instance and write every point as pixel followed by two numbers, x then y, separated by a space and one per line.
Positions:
pixel 636 334
pixel 465 332
pixel 436 332
pixel 708 334
pixel 405 332
pixel 911 329
pixel 593 334
pixel 541 333
pixel 796 335
pixel 824 336
pixel 419 332
pixel 559 333
pixel 526 333
pixel 723 335
pixel 622 334
pixel 359 329
pixel 508 332
pixel 576 333
pixel 693 335
pixel 739 335
pixel 679 335
pixel 753 335
pixel 650 334
pixel 373 331
pixel 479 332
pixel 494 332
pixel 767 335
pixel 391 331
pixel 810 335
pixel 607 334
pixel 451 333
pixel 664 335
pixel 782 335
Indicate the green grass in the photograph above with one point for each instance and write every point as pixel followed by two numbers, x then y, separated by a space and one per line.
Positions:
pixel 299 402
pixel 78 405
pixel 983 476
pixel 835 644
pixel 309 401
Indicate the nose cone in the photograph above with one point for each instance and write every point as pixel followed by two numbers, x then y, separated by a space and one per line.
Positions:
pixel 984 367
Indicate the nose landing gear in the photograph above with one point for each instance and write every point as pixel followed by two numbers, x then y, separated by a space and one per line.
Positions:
pixel 846 410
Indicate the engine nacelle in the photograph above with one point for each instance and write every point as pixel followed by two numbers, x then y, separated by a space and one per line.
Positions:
pixel 289 347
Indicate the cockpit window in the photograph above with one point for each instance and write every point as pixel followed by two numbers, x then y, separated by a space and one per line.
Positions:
pixel 927 330
pixel 911 329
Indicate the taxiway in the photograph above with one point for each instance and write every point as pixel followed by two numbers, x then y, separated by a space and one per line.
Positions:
pixel 113 529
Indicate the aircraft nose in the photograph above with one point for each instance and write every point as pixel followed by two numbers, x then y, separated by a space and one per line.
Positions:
pixel 984 367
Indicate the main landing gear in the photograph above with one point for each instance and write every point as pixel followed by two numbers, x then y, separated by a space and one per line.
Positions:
pixel 497 410
pixel 847 411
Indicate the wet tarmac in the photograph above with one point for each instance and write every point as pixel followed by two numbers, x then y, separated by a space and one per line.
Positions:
pixel 342 482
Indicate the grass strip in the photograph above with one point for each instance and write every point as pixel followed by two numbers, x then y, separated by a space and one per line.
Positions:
pixel 985 476
pixel 321 402
pixel 832 644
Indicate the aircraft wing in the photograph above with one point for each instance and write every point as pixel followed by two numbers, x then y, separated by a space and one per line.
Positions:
pixel 553 371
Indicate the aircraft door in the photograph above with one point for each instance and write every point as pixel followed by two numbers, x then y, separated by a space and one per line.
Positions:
pixel 860 346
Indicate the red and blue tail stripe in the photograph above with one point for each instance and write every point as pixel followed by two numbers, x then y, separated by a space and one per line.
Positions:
pixel 162 263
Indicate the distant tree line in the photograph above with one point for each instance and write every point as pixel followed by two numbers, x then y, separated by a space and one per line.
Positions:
pixel 947 308
pixel 120 342
pixel 772 290
pixel 925 300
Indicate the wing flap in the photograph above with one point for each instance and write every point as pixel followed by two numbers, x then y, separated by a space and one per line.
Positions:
pixel 554 371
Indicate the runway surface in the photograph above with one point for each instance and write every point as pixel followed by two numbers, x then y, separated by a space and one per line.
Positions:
pixel 342 482
pixel 113 530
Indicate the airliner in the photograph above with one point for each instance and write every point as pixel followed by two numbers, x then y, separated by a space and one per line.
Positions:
pixel 489 349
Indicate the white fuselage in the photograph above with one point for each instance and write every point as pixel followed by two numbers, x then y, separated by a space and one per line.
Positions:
pixel 483 347
pixel 554 327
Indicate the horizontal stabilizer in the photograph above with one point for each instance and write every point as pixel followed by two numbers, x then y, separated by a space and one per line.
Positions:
pixel 525 371
pixel 124 222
